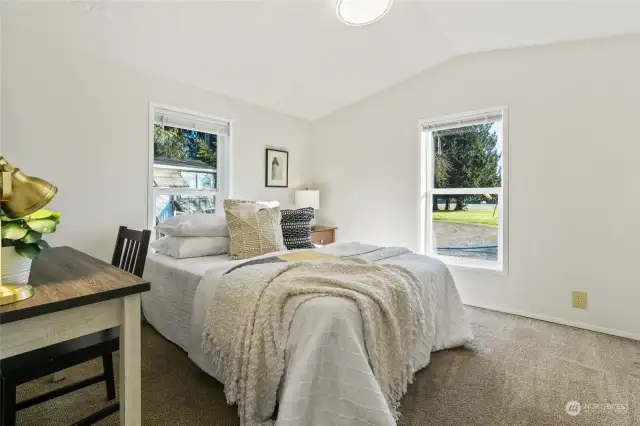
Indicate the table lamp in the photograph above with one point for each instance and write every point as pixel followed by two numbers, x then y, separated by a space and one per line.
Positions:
pixel 308 198
pixel 21 196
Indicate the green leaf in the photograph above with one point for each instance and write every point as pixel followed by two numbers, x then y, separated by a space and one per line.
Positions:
pixel 41 214
pixel 44 226
pixel 32 237
pixel 43 244
pixel 55 215
pixel 13 231
pixel 31 251
pixel 10 219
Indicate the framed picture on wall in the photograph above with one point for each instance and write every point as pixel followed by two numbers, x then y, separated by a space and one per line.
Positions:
pixel 277 169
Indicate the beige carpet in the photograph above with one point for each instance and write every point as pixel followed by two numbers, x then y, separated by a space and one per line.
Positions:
pixel 517 371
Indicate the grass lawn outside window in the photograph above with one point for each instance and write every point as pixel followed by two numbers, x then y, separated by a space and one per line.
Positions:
pixel 485 217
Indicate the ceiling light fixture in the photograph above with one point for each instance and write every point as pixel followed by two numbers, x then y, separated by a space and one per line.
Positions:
pixel 362 12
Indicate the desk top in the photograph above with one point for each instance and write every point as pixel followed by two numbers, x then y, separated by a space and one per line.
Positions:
pixel 65 278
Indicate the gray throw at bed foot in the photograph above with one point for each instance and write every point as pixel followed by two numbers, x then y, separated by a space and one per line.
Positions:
pixel 516 371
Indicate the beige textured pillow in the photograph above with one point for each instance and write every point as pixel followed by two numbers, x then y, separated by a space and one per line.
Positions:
pixel 254 229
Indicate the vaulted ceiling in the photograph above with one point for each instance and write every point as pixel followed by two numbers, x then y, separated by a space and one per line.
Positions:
pixel 295 56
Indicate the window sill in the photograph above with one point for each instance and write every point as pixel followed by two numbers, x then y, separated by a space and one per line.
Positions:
pixel 471 266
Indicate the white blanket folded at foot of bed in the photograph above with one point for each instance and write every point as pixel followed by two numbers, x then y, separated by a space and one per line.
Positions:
pixel 247 326
pixel 328 377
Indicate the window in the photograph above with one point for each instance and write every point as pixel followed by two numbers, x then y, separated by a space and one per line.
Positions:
pixel 189 164
pixel 463 188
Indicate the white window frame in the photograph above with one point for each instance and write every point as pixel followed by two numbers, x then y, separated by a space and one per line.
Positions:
pixel 223 166
pixel 428 190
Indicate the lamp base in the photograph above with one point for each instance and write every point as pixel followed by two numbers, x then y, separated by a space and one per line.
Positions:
pixel 11 293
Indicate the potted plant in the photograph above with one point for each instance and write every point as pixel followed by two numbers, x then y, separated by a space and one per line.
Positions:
pixel 22 242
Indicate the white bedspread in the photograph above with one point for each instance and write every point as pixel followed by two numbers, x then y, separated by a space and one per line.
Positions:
pixel 328 380
pixel 169 303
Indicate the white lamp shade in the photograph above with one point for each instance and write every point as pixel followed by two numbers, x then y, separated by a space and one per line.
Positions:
pixel 308 198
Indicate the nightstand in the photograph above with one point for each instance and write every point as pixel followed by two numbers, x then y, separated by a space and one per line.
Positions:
pixel 323 235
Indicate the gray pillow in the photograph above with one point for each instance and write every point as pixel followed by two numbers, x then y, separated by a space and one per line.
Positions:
pixel 296 228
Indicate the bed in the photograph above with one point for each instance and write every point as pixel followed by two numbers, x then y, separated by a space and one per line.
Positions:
pixel 327 374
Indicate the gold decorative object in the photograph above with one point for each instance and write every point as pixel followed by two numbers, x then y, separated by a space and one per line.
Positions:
pixel 10 293
pixel 21 196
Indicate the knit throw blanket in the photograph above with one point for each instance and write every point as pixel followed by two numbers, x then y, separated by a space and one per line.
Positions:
pixel 247 325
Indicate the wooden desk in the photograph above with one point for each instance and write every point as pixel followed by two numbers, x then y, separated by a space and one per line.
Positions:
pixel 76 295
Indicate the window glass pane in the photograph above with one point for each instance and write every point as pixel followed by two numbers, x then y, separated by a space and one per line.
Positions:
pixel 468 157
pixel 191 178
pixel 171 205
pixel 466 226
pixel 206 180
pixel 184 158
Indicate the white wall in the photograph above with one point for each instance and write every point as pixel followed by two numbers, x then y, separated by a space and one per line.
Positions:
pixel 83 125
pixel 575 145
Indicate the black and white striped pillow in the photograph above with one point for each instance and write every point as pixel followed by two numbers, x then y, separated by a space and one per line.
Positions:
pixel 296 229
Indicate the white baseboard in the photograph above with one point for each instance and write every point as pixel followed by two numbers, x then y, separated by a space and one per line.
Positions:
pixel 577 324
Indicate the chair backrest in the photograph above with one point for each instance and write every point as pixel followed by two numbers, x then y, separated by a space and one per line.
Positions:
pixel 131 249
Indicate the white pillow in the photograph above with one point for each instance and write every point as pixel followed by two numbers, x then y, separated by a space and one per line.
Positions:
pixel 194 225
pixel 183 247
pixel 270 204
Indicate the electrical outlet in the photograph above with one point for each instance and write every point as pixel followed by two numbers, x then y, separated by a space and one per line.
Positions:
pixel 579 299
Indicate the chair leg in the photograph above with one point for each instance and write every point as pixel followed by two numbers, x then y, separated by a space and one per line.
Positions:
pixel 7 402
pixel 107 365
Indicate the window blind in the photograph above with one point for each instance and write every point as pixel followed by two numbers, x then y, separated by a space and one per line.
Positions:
pixel 190 122
pixel 469 120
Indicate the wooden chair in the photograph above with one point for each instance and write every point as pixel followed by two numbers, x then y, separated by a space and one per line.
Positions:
pixel 131 250
pixel 130 254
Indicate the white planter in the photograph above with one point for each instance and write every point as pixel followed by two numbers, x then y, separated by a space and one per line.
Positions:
pixel 15 268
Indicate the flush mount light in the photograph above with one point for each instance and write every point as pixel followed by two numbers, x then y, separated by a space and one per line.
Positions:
pixel 362 12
